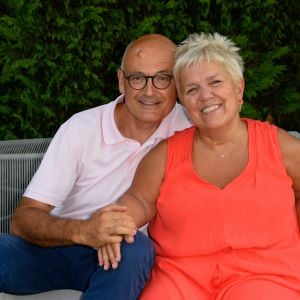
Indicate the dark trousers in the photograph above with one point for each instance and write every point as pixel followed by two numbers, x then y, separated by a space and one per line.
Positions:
pixel 29 269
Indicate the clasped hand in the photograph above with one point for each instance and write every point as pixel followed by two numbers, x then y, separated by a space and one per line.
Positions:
pixel 114 226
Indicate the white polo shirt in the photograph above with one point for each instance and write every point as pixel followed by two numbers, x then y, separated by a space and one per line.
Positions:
pixel 89 164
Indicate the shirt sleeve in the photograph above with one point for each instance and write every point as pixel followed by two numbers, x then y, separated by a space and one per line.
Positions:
pixel 57 173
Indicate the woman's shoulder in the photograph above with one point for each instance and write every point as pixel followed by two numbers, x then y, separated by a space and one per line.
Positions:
pixel 259 125
pixel 182 134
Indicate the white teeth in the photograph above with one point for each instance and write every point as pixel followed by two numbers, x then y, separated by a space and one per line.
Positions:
pixel 210 108
pixel 149 103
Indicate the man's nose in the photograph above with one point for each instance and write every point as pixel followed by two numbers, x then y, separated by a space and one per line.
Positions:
pixel 149 88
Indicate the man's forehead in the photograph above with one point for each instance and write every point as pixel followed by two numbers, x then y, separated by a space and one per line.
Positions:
pixel 153 44
pixel 145 56
pixel 149 66
pixel 140 52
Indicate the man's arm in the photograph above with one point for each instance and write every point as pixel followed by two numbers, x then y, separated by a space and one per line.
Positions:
pixel 33 222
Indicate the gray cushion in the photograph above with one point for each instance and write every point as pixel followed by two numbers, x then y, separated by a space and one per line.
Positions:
pixel 52 295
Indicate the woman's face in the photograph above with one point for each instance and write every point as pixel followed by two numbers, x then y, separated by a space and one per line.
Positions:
pixel 209 94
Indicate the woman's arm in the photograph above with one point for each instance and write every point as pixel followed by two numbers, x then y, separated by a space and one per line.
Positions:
pixel 290 148
pixel 139 200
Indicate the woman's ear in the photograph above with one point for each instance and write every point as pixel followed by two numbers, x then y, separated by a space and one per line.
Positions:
pixel 240 89
pixel 240 93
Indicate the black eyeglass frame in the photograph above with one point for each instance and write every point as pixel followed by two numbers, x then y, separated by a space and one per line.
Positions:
pixel 127 77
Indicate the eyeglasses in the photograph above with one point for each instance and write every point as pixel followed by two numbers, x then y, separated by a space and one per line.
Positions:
pixel 139 81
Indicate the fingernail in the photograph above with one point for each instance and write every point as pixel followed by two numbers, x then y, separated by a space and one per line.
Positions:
pixel 114 265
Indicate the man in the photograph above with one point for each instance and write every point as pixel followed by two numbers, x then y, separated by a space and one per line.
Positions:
pixel 60 221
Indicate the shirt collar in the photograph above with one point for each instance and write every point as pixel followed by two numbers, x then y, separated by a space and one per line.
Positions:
pixel 112 135
pixel 110 131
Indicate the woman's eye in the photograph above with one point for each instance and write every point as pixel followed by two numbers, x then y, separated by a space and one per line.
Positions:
pixel 191 91
pixel 215 82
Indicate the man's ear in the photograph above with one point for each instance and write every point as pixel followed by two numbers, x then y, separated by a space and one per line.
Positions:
pixel 121 81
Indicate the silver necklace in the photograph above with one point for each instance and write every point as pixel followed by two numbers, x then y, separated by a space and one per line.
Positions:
pixel 220 155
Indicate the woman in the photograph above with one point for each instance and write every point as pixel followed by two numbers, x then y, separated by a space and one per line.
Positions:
pixel 220 196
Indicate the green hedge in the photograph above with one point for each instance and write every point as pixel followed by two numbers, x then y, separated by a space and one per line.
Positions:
pixel 59 57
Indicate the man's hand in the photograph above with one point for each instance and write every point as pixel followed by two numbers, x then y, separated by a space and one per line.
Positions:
pixel 108 225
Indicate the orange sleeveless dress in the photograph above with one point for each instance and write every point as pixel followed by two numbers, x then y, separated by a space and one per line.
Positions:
pixel 237 243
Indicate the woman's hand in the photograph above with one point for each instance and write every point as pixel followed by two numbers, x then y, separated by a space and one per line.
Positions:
pixel 109 255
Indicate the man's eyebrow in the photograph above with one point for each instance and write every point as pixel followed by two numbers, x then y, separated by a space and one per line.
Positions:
pixel 164 72
pixel 156 73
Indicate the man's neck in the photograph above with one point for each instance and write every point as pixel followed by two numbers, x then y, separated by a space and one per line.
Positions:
pixel 132 128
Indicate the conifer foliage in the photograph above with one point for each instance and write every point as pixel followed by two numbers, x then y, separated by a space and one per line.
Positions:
pixel 58 57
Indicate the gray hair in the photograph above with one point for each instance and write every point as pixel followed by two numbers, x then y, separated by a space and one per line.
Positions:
pixel 209 47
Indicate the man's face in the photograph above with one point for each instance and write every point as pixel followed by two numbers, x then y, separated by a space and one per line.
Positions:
pixel 148 105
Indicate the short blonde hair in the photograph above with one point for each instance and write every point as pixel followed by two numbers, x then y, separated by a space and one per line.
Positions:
pixel 209 47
